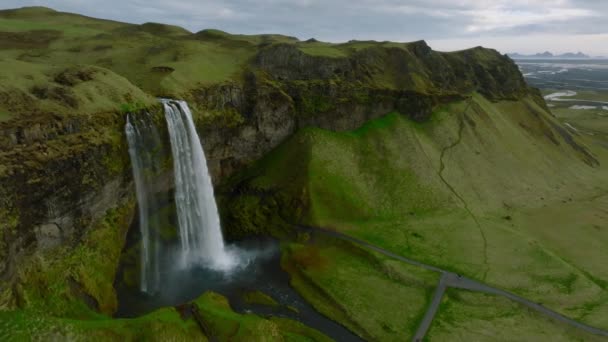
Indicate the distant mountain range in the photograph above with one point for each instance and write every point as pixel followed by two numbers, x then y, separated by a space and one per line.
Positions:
pixel 547 54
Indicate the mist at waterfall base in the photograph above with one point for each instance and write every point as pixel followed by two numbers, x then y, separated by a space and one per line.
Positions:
pixel 200 241
pixel 258 259
pixel 176 271
pixel 259 269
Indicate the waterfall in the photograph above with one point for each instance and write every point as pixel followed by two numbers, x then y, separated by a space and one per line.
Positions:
pixel 144 144
pixel 200 234
pixel 200 240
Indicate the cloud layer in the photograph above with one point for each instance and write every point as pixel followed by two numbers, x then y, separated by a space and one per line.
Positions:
pixel 555 23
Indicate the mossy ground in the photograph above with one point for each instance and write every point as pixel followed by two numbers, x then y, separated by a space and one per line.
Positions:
pixel 227 325
pixel 76 282
pixel 161 325
pixel 259 298
pixel 150 59
pixel 469 316
pixel 39 45
pixel 34 88
pixel 375 297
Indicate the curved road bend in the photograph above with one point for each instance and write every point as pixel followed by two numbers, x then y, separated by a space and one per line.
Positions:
pixel 450 279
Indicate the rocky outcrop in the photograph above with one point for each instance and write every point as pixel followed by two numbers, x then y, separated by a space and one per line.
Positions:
pixel 285 89
pixel 413 67
pixel 58 181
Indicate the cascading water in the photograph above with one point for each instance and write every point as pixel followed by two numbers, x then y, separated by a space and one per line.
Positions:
pixel 253 265
pixel 199 237
pixel 144 144
pixel 200 233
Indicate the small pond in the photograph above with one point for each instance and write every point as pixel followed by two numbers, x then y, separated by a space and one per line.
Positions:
pixel 260 270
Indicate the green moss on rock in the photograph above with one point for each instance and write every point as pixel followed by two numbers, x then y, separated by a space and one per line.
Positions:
pixel 160 325
pixel 260 298
pixel 70 282
pixel 226 325
pixel 227 118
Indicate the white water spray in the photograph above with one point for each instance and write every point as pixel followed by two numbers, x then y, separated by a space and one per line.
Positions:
pixel 200 233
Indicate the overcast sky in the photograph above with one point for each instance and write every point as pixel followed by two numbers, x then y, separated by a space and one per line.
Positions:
pixel 525 26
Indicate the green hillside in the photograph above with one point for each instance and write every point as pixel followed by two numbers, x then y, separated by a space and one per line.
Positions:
pixel 445 158
pixel 469 190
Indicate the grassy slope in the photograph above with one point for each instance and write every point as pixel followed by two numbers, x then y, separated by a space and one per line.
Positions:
pixel 161 60
pixel 381 183
pixel 586 217
pixel 38 44
pixel 161 325
pixel 551 200
pixel 227 325
pixel 157 326
pixel 375 297
pixel 344 49
pixel 33 88
pixel 29 38
pixel 468 316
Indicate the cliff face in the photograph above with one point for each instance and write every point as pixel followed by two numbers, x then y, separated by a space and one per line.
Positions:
pixel 412 66
pixel 58 180
pixel 285 88
pixel 66 193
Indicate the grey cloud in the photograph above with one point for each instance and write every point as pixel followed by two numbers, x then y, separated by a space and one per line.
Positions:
pixel 341 20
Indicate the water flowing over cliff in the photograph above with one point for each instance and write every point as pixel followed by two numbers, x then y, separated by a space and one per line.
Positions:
pixel 144 142
pixel 200 241
pixel 200 234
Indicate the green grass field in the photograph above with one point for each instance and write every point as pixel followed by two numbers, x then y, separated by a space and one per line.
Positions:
pixel 468 316
pixel 376 297
pixel 39 44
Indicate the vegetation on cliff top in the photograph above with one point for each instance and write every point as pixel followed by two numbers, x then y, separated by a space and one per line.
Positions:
pixel 58 62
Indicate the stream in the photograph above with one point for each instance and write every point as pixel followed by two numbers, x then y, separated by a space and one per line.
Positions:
pixel 260 271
